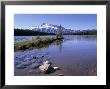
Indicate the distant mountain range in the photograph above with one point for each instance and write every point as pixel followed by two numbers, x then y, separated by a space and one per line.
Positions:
pixel 50 29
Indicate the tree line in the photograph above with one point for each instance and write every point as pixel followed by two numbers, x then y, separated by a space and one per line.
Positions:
pixel 90 32
pixel 27 32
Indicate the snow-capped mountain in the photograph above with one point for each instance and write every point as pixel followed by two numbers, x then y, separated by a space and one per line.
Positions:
pixel 50 28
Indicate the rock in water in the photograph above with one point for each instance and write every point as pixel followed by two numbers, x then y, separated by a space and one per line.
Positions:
pixel 34 65
pixel 61 75
pixel 46 68
pixel 26 63
pixel 17 63
pixel 33 60
pixel 26 59
pixel 23 65
pixel 20 66
pixel 47 62
pixel 30 71
pixel 56 68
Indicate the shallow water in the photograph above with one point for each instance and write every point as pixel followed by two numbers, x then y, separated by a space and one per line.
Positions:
pixel 76 56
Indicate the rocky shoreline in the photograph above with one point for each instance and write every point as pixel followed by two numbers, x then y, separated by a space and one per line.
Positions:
pixel 40 62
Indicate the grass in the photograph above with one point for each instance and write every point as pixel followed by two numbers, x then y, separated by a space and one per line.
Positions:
pixel 34 43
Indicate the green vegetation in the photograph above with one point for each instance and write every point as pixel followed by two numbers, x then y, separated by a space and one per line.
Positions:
pixel 27 32
pixel 37 42
pixel 59 34
pixel 34 43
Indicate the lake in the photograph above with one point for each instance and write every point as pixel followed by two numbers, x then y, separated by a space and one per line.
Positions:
pixel 76 55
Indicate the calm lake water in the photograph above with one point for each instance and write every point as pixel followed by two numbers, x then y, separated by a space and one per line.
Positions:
pixel 76 55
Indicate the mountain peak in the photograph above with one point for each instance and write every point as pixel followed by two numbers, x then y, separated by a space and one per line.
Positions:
pixel 50 28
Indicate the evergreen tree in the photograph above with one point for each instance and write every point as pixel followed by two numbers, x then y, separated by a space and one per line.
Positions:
pixel 59 33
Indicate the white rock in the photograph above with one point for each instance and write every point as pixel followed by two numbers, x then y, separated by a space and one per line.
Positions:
pixel 56 68
pixel 46 68
pixel 47 62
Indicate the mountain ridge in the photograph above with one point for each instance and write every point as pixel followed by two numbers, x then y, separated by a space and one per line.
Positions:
pixel 51 28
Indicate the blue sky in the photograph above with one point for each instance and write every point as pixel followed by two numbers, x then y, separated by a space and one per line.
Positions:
pixel 69 21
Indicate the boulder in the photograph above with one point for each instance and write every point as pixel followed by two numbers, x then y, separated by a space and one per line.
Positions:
pixel 46 68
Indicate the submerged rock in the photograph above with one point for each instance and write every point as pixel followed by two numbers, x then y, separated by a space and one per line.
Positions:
pixel 17 62
pixel 34 57
pixel 34 65
pixel 26 63
pixel 30 71
pixel 20 66
pixel 27 59
pixel 33 60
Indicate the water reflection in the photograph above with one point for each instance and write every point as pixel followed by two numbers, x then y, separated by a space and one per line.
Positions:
pixel 80 37
pixel 59 44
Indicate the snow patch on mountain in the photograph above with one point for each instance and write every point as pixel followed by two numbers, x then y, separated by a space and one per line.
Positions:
pixel 50 28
